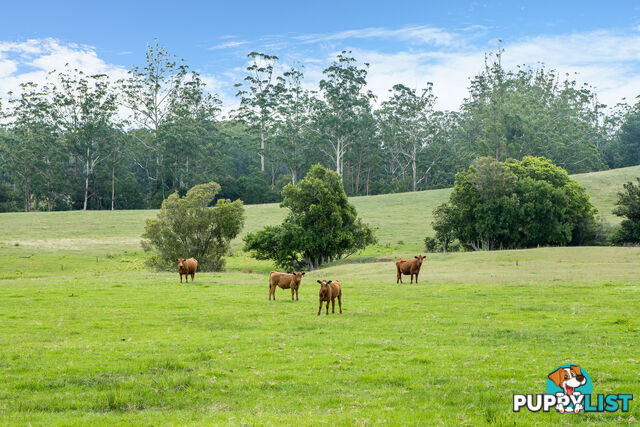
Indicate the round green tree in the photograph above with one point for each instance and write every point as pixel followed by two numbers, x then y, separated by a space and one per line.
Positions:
pixel 188 227
pixel 321 226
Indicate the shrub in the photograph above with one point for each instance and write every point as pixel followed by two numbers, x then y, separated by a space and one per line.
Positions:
pixel 432 244
pixel 515 204
pixel 322 225
pixel 628 207
pixel 188 227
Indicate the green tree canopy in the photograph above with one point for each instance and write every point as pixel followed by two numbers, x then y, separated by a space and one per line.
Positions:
pixel 531 112
pixel 188 227
pixel 322 225
pixel 628 207
pixel 514 204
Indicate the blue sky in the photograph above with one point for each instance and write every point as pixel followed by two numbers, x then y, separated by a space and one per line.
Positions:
pixel 408 42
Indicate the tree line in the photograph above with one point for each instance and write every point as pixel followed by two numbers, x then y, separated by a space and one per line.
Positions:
pixel 87 142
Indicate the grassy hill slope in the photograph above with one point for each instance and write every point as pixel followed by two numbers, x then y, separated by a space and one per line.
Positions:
pixel 402 219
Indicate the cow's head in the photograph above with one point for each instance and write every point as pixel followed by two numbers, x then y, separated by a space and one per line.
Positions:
pixel 420 258
pixel 297 277
pixel 324 286
pixel 180 262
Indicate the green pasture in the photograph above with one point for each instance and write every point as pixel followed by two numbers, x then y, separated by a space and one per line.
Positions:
pixel 89 336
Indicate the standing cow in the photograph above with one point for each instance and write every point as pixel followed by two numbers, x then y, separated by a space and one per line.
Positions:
pixel 285 281
pixel 408 266
pixel 187 267
pixel 329 291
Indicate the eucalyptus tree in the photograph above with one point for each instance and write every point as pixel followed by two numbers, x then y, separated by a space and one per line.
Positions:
pixel 191 142
pixel 30 149
pixel 292 103
pixel 345 100
pixel 257 105
pixel 512 114
pixel 153 94
pixel 86 108
pixel 408 127
pixel 624 144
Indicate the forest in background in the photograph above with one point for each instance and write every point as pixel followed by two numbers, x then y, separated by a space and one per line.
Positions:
pixel 88 142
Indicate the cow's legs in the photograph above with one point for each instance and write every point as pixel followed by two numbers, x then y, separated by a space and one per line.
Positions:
pixel 327 306
pixel 320 308
pixel 180 277
pixel 292 292
pixel 192 276
pixel 340 303
pixel 297 294
pixel 411 277
pixel 417 276
pixel 333 305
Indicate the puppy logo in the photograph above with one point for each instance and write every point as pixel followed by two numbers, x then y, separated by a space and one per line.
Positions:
pixel 570 390
pixel 572 381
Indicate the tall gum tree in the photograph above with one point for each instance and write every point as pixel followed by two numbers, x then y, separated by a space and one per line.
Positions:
pixel 344 100
pixel 257 104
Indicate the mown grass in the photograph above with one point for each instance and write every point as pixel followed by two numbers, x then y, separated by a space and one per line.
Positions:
pixel 89 336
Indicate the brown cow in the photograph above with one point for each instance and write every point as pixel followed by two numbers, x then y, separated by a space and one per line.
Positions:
pixel 187 267
pixel 285 281
pixel 329 290
pixel 409 266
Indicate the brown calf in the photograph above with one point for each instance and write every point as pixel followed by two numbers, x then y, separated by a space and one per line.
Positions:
pixel 285 281
pixel 409 266
pixel 329 290
pixel 187 267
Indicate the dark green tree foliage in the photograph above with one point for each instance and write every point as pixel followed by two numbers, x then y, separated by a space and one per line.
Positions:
pixel 628 207
pixel 516 204
pixel 624 149
pixel 257 104
pixel 342 114
pixel 188 227
pixel 408 128
pixel 31 148
pixel 321 226
pixel 81 142
pixel 531 112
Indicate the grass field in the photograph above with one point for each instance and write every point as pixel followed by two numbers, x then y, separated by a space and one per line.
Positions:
pixel 88 336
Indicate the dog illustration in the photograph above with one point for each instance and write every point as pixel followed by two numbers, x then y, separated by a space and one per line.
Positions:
pixel 568 379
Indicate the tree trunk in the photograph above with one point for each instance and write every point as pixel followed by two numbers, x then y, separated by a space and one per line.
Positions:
pixel 27 195
pixel 273 177
pixel 113 188
pixel 86 183
pixel 414 168
pixel 368 173
pixel 339 157
pixel 261 151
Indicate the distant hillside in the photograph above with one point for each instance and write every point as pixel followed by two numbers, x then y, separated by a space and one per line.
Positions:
pixel 402 219
pixel 603 188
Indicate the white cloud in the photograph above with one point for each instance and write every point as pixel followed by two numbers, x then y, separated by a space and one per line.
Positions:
pixel 34 59
pixel 607 60
pixel 227 45
pixel 412 34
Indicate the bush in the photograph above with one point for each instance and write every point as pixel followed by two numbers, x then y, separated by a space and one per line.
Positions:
pixel 628 207
pixel 516 204
pixel 431 244
pixel 321 226
pixel 188 227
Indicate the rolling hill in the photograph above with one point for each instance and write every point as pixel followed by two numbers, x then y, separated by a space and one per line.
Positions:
pixel 402 219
